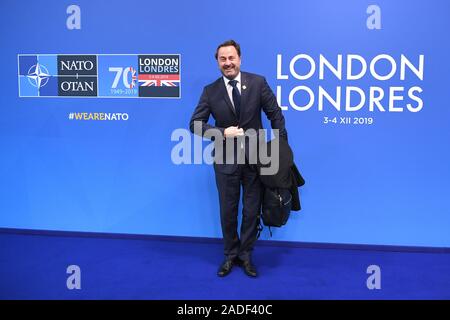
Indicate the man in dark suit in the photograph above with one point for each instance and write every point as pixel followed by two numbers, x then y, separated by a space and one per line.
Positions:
pixel 235 101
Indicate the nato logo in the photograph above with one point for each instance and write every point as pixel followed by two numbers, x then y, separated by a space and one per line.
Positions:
pixel 38 76
pixel 77 75
pixel 51 75
pixel 99 75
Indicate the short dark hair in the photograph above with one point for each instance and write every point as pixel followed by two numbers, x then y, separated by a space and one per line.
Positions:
pixel 229 43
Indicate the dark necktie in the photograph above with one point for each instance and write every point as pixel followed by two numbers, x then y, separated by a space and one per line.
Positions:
pixel 236 97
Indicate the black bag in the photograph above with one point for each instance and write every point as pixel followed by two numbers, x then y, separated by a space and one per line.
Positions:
pixel 276 206
pixel 280 195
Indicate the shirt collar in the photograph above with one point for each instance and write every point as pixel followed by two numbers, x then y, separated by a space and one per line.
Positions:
pixel 238 78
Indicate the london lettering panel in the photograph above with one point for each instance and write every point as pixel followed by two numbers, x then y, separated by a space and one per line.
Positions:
pixel 99 75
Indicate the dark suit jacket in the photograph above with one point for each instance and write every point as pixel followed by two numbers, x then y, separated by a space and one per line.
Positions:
pixel 256 96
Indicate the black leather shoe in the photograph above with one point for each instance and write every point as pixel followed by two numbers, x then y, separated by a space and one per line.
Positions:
pixel 225 268
pixel 249 268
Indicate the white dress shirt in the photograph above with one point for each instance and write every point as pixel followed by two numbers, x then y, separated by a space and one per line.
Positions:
pixel 230 91
pixel 230 87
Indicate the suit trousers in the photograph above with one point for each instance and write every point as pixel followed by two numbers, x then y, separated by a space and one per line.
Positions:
pixel 229 188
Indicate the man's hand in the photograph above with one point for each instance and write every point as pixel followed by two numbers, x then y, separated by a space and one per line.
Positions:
pixel 232 132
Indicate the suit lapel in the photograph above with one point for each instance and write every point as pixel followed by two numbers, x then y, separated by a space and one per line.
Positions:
pixel 244 90
pixel 225 95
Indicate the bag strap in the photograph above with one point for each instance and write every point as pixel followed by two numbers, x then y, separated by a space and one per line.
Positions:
pixel 260 228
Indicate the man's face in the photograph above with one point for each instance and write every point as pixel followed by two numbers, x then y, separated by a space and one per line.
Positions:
pixel 229 62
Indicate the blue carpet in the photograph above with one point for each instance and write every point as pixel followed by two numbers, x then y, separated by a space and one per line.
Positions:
pixel 34 267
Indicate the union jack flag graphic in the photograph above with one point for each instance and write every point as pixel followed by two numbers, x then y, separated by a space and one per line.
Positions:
pixel 159 80
pixel 133 77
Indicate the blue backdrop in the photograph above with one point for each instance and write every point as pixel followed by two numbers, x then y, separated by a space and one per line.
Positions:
pixel 379 183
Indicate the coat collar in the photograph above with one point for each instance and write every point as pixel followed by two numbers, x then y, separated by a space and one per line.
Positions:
pixel 225 96
pixel 244 90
